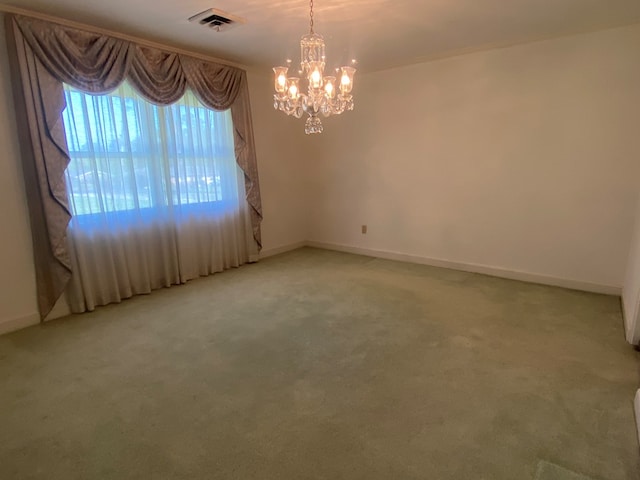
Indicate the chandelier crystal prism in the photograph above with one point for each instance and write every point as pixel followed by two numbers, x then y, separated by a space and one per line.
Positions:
pixel 323 95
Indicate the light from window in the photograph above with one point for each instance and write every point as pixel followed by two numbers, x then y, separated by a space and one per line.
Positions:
pixel 128 154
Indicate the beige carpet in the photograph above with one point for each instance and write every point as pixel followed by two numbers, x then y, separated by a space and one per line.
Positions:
pixel 322 365
pixel 550 471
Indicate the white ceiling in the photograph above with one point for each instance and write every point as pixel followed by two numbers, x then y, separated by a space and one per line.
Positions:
pixel 378 33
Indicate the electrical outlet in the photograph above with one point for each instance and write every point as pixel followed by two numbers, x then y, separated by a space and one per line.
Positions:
pixel 364 229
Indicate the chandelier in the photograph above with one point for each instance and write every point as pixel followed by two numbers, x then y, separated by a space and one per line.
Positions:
pixel 323 95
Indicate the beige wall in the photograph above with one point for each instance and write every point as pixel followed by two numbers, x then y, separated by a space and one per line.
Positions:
pixel 524 159
pixel 282 168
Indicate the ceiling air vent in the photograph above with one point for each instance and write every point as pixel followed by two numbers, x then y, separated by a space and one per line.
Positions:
pixel 217 20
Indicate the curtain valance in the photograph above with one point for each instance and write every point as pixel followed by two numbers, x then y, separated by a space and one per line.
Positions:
pixel 98 64
pixel 44 55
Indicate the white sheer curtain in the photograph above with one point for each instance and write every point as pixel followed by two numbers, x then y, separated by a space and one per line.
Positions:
pixel 156 195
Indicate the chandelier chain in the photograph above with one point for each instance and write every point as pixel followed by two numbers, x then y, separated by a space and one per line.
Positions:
pixel 311 16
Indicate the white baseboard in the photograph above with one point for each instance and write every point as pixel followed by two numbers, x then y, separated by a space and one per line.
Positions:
pixel 474 268
pixel 630 318
pixel 61 309
pixel 636 408
pixel 13 324
pixel 282 249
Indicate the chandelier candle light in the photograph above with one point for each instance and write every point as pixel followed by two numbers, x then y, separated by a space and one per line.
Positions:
pixel 323 95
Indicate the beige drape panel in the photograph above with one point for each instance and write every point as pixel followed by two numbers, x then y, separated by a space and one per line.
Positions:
pixel 39 102
pixel 44 55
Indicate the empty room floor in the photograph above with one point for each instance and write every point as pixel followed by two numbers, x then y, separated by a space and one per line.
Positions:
pixel 324 365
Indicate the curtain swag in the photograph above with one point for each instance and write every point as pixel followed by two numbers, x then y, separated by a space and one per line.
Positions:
pixel 45 55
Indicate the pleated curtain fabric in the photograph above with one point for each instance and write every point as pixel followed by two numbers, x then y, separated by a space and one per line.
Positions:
pixel 156 195
pixel 46 55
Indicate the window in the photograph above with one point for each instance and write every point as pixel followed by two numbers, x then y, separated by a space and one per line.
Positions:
pixel 130 155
